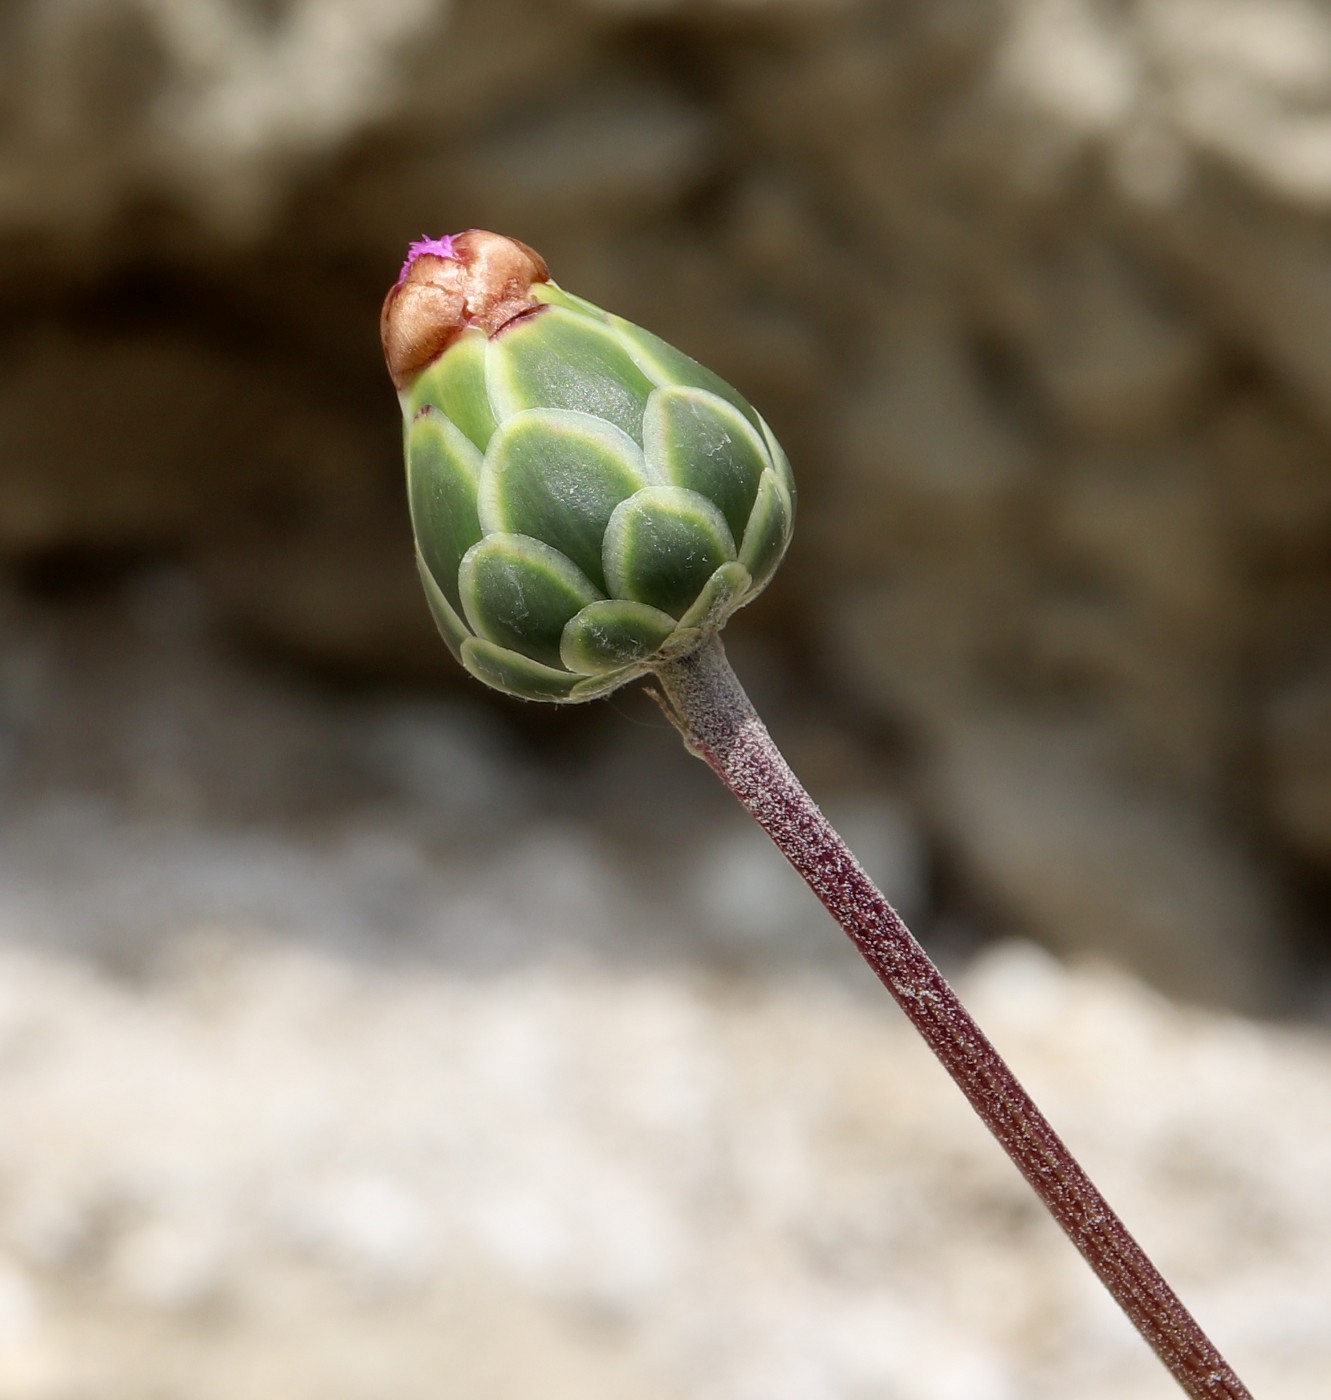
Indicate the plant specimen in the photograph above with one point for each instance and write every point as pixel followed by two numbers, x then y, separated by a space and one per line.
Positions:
pixel 590 506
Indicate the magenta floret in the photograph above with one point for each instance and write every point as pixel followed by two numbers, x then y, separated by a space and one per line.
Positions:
pixel 435 247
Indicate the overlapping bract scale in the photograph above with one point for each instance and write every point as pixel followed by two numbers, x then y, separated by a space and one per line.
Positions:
pixel 587 500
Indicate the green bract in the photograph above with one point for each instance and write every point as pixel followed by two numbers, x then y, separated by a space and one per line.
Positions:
pixel 587 501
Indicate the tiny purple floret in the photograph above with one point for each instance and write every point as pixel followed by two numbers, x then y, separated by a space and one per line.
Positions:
pixel 435 247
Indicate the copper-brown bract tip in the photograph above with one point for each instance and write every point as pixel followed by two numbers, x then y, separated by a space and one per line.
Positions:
pixel 486 282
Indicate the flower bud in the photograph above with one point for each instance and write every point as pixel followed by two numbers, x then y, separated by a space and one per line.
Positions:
pixel 587 501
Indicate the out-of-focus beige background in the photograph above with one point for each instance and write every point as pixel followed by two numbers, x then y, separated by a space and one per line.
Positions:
pixel 366 1036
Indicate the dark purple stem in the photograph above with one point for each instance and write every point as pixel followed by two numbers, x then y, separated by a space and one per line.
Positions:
pixel 708 705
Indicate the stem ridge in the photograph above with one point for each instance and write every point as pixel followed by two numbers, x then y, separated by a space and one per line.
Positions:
pixel 704 699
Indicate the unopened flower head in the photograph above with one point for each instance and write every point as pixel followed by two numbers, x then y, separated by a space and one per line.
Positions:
pixel 588 502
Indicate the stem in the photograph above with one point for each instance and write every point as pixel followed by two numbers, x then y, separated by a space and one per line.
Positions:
pixel 704 699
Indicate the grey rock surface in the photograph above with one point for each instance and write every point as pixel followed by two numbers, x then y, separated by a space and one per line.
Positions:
pixel 1035 294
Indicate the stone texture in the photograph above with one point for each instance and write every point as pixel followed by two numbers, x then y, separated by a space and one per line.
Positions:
pixel 1036 295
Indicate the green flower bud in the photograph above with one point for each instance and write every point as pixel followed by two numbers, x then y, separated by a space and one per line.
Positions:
pixel 587 501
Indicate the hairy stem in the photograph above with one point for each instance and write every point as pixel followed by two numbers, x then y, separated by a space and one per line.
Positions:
pixel 706 702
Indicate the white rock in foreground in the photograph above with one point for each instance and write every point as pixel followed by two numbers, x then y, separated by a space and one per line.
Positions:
pixel 273 1171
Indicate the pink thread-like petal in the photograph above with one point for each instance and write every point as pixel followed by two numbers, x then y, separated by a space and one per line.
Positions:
pixel 435 247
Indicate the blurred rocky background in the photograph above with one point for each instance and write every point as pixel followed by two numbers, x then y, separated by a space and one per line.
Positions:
pixel 363 1035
